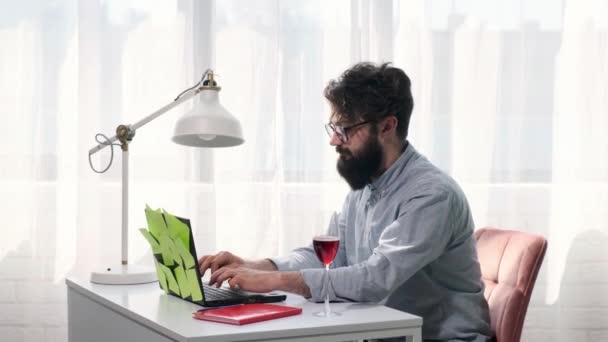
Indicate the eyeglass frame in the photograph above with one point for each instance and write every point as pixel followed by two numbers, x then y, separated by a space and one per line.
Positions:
pixel 342 131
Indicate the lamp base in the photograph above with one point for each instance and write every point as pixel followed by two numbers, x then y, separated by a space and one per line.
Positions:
pixel 124 275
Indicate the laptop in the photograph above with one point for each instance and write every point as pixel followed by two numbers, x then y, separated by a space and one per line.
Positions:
pixel 178 269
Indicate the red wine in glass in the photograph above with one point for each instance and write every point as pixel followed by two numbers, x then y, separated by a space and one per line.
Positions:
pixel 326 248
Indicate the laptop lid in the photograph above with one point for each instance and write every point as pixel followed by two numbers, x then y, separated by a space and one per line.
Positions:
pixel 176 262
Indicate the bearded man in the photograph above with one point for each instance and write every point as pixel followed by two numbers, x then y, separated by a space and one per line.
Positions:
pixel 405 229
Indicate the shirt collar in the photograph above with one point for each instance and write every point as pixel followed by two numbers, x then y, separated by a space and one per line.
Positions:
pixel 388 176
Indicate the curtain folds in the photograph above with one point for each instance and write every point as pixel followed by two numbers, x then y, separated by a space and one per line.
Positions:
pixel 511 99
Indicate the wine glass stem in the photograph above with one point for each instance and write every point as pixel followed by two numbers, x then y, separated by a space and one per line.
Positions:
pixel 327 309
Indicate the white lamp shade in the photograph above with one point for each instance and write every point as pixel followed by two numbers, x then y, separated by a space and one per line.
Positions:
pixel 208 124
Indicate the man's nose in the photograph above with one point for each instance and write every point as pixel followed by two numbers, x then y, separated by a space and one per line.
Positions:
pixel 335 140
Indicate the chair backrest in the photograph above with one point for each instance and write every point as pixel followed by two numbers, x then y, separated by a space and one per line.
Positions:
pixel 509 261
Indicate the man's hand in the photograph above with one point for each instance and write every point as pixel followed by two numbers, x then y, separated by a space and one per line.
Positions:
pixel 255 280
pixel 221 259
pixel 247 279
pixel 227 259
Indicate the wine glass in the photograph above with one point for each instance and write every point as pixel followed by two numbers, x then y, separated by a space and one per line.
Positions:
pixel 326 248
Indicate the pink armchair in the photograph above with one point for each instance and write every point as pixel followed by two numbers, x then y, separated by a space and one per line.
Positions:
pixel 510 261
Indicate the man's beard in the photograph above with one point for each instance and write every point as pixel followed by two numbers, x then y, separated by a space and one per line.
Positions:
pixel 358 170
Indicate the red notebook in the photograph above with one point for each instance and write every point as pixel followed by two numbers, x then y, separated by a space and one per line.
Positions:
pixel 246 313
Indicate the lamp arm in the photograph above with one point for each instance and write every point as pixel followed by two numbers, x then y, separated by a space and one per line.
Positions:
pixel 184 96
pixel 164 109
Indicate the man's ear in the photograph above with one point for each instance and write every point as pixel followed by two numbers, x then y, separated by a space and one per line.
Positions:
pixel 389 124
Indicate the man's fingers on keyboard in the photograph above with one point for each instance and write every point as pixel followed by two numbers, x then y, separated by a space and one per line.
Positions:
pixel 215 276
pixel 226 274
pixel 220 260
pixel 204 262
pixel 219 276
pixel 233 282
pixel 214 267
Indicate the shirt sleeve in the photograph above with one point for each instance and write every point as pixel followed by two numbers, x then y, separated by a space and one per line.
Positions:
pixel 418 236
pixel 306 258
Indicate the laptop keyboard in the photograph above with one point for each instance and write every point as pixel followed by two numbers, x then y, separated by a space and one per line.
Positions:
pixel 214 293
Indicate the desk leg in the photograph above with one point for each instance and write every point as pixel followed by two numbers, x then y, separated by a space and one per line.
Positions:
pixel 415 337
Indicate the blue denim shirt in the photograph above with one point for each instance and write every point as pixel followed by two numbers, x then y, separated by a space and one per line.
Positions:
pixel 406 241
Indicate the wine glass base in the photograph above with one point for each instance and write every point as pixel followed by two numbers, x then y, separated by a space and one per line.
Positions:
pixel 323 314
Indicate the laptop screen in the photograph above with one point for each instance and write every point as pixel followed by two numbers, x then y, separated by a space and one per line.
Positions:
pixel 170 238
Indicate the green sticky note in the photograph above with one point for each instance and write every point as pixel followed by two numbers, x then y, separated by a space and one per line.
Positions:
pixel 195 289
pixel 161 277
pixel 182 281
pixel 184 254
pixel 170 251
pixel 170 279
pixel 156 222
pixel 166 249
pixel 175 253
pixel 177 229
pixel 151 240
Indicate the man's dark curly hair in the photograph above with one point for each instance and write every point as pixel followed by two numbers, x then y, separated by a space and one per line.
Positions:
pixel 371 92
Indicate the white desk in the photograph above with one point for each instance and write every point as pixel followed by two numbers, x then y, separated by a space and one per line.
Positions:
pixel 146 313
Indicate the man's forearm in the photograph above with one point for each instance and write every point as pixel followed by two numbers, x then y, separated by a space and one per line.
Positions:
pixel 293 282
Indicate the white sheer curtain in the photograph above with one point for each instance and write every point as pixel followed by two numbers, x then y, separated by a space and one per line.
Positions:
pixel 510 97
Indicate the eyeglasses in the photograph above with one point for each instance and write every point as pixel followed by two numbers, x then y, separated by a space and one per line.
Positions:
pixel 341 131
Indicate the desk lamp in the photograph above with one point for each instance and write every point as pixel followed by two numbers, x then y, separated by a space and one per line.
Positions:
pixel 208 124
